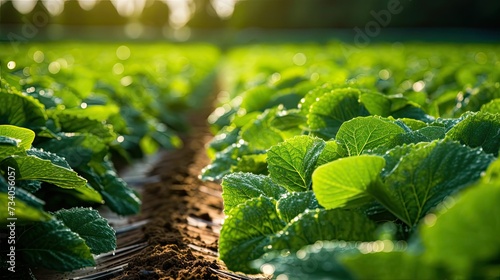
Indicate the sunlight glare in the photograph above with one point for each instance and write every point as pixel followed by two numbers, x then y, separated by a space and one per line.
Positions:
pixel 24 6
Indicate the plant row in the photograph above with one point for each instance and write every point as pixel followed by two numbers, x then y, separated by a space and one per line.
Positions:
pixel 68 112
pixel 377 164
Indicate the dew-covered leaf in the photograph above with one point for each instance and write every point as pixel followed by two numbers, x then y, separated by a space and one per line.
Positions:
pixel 291 163
pixel 240 187
pixel 246 231
pixel 89 225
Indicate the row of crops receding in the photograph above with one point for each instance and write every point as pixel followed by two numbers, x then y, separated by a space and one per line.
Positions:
pixel 336 162
pixel 346 163
pixel 68 112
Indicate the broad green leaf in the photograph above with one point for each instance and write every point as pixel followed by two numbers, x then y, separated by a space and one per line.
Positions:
pixel 89 225
pixel 256 164
pixel 425 134
pixel 240 187
pixel 427 175
pixel 479 130
pixel 387 264
pixel 288 120
pixel 289 123
pixel 26 136
pixel 23 211
pixel 484 94
pixel 291 163
pixel 52 245
pixel 22 194
pixel 116 194
pixel 493 107
pixel 295 203
pixel 413 124
pixel 77 149
pixel 223 139
pixel 463 234
pixel 317 261
pixel 393 156
pixel 34 168
pixel 246 232
pixel 83 124
pixel 344 182
pixel 259 134
pixel 95 112
pixel 54 158
pixel 31 186
pixel 332 109
pixel 224 160
pixel 8 142
pixel 257 98
pixel 312 96
pixel 321 224
pixel 19 110
pixel 414 112
pixel 9 147
pixel 376 103
pixel 366 133
pixel 331 152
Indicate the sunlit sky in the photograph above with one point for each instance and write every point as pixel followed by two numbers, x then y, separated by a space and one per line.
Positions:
pixel 181 10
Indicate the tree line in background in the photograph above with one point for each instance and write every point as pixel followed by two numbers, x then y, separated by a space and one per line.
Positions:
pixel 287 14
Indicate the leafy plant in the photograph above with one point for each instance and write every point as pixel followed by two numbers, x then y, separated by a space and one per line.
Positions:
pixel 362 167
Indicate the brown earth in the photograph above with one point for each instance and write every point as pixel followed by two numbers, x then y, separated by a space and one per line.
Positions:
pixel 185 216
pixel 176 234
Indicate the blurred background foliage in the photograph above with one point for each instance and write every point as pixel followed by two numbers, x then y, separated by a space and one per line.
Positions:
pixel 239 14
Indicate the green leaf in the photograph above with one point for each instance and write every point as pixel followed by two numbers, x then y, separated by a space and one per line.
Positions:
pixel 83 124
pixel 344 182
pixel 478 130
pixel 332 109
pixel 116 194
pixel 427 175
pixel 321 224
pixel 388 264
pixel 366 133
pixel 55 159
pixel 240 187
pixel 34 168
pixel 331 152
pixel 22 210
pixel 223 139
pixel 19 110
pixel 94 112
pixel 246 232
pixel 26 136
pixel 316 261
pixel 9 147
pixel 52 245
pixel 77 149
pixel 463 235
pixel 376 103
pixel 493 107
pixel 291 163
pixel 425 134
pixel 22 194
pixel 224 160
pixel 257 98
pixel 295 203
pixel 89 225
pixel 259 134
pixel 256 164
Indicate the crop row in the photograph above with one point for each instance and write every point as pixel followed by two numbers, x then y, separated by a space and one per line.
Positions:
pixel 345 163
pixel 68 112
